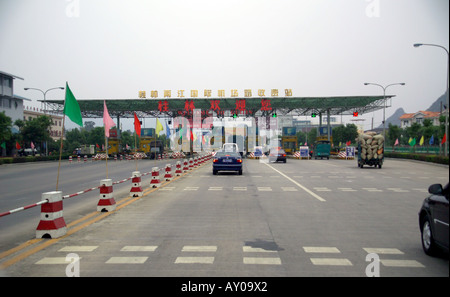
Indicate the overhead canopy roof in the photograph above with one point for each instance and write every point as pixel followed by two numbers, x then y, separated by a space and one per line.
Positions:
pixel 341 105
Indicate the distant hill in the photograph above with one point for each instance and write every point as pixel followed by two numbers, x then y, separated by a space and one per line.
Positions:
pixel 395 118
pixel 436 106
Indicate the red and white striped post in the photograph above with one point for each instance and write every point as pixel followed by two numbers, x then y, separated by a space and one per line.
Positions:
pixel 178 171
pixel 168 176
pixel 191 163
pixel 106 201
pixel 155 181
pixel 136 189
pixel 52 222
pixel 185 166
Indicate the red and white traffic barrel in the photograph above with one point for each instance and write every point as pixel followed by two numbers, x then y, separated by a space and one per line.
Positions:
pixel 52 222
pixel 168 175
pixel 106 201
pixel 178 171
pixel 155 182
pixel 136 189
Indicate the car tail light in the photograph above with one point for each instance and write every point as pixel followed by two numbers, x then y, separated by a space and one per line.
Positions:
pixel 215 160
pixel 239 160
pixel 284 155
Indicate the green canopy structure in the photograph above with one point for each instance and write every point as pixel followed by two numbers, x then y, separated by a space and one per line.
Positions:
pixel 248 106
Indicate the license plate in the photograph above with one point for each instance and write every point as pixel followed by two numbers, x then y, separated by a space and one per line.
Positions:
pixel 227 160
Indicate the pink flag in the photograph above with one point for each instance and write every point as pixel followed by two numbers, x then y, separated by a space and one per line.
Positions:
pixel 107 120
pixel 32 145
pixel 396 142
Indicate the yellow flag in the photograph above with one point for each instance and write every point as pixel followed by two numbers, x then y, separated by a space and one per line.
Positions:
pixel 159 127
pixel 421 141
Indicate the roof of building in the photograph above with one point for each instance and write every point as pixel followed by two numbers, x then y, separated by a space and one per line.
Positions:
pixel 426 114
pixel 12 75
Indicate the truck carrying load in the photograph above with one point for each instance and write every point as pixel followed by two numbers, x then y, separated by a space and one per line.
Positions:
pixel 370 149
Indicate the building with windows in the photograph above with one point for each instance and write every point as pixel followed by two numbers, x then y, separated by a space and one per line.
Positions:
pixel 407 119
pixel 30 113
pixel 10 104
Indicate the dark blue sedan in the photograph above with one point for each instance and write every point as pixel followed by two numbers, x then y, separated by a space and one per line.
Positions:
pixel 227 161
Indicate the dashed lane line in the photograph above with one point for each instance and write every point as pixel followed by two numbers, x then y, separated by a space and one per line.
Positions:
pixel 298 184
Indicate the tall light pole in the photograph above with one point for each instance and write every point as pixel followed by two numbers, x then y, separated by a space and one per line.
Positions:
pixel 384 99
pixel 45 106
pixel 446 117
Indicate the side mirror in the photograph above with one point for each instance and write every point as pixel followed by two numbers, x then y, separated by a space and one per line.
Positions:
pixel 435 189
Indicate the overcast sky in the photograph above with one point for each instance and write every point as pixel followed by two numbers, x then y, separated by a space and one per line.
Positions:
pixel 114 49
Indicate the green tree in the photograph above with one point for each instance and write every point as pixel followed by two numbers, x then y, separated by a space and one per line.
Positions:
pixel 394 132
pixel 35 130
pixel 5 132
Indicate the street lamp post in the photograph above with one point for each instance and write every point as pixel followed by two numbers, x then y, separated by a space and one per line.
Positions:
pixel 45 106
pixel 446 117
pixel 384 99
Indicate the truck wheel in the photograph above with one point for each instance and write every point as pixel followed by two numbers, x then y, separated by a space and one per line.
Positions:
pixel 362 165
pixel 379 166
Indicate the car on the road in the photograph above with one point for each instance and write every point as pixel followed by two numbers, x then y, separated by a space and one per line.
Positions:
pixel 227 161
pixel 277 154
pixel 433 220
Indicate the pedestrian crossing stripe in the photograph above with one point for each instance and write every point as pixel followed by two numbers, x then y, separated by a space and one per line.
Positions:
pixel 331 261
pixel 262 260
pixel 80 248
pixel 126 260
pixel 194 260
pixel 130 248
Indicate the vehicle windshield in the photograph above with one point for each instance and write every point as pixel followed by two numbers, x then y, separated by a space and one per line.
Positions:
pixel 224 154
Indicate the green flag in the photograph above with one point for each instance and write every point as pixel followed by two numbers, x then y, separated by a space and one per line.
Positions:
pixel 412 142
pixel 71 107
pixel 3 145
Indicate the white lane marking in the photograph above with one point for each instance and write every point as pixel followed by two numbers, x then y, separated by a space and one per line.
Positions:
pixel 126 260
pixel 331 261
pixel 194 260
pixel 296 183
pixel 263 261
pixel 401 263
pixel 215 189
pixel 321 249
pixel 239 188
pixel 386 251
pixel 264 189
pixel 199 248
pixel 249 249
pixel 137 248
pixel 78 248
pixel 53 260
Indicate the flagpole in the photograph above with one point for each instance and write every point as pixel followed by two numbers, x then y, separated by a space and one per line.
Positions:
pixel 60 149
pixel 106 148
pixel 135 149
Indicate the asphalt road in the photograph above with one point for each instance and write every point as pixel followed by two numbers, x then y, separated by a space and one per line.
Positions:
pixel 302 218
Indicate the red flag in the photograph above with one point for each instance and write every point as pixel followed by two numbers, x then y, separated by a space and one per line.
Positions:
pixel 18 146
pixel 97 145
pixel 137 125
pixel 444 139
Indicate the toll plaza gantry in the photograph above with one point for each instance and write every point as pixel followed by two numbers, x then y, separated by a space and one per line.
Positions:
pixel 227 106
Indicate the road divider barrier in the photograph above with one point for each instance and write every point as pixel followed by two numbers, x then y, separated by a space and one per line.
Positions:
pixel 191 163
pixel 168 175
pixel 136 188
pixel 52 224
pixel 178 170
pixel 106 201
pixel 185 166
pixel 155 182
